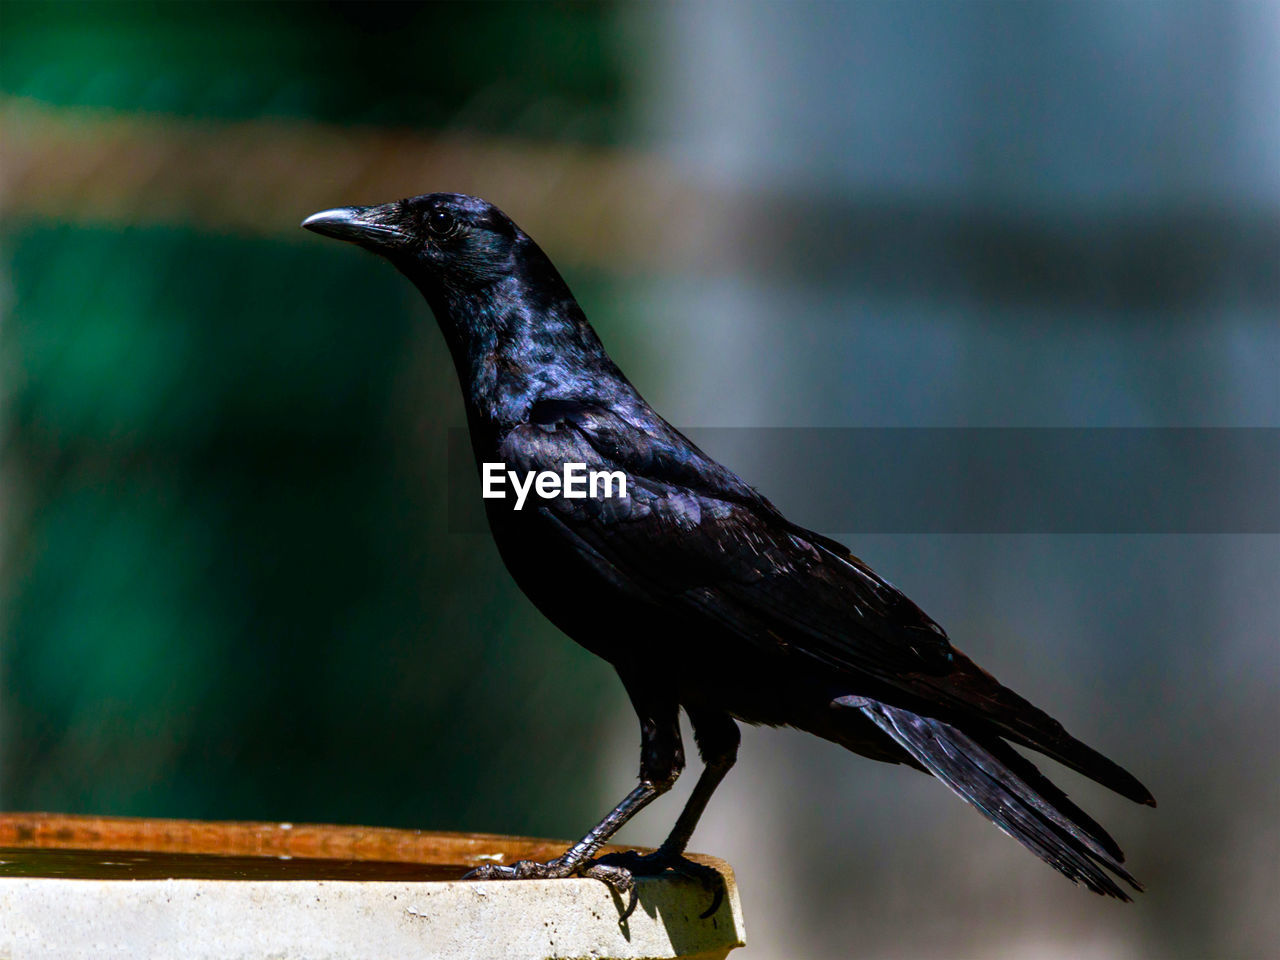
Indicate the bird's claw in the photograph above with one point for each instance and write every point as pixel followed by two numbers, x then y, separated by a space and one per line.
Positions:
pixel 522 870
pixel 653 864
pixel 619 878
pixel 617 870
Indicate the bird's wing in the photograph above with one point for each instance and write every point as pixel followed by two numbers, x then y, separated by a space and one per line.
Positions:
pixel 690 532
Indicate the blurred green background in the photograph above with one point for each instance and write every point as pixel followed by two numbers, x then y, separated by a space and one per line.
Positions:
pixel 228 587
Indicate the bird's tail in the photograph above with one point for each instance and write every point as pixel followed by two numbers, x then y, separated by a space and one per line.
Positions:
pixel 974 693
pixel 1009 790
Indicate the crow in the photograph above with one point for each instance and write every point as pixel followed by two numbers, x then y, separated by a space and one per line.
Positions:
pixel 698 591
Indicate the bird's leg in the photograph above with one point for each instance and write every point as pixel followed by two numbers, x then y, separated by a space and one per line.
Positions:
pixel 661 760
pixel 717 737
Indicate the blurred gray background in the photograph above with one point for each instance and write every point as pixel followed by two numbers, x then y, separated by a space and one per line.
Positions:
pixel 229 587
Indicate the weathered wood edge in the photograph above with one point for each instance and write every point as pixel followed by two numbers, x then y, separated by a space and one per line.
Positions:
pixel 62 831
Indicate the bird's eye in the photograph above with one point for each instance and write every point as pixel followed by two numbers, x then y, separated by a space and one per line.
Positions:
pixel 440 223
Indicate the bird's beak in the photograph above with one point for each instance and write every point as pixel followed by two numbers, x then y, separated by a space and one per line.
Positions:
pixel 377 227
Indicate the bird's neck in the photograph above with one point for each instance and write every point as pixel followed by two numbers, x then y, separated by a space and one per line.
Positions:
pixel 515 343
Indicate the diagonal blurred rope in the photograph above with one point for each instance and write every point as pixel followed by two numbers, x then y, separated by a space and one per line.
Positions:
pixel 596 206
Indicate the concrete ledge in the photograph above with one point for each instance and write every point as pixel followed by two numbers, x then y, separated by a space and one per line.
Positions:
pixel 74 914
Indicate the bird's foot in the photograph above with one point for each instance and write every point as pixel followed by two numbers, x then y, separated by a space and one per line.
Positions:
pixel 616 877
pixel 523 870
pixel 635 864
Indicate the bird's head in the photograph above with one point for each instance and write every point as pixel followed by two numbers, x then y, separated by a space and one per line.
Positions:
pixel 493 291
pixel 444 242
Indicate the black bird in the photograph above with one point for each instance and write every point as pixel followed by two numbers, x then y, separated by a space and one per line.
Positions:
pixel 697 590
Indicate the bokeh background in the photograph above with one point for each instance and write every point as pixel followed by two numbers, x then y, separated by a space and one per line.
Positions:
pixel 229 588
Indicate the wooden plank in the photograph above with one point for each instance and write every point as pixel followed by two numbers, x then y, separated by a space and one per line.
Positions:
pixel 267 839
